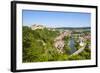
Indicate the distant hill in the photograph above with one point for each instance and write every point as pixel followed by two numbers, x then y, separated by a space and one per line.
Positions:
pixel 74 28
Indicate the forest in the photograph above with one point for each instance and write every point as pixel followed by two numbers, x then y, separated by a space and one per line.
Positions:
pixel 38 46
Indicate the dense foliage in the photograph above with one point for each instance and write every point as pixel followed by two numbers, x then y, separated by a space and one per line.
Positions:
pixel 38 47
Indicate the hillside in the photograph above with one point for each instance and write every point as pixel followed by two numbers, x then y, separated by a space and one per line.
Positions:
pixel 38 46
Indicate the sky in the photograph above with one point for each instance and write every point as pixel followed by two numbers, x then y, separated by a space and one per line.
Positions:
pixel 56 19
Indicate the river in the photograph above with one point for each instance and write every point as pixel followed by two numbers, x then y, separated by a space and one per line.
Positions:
pixel 72 45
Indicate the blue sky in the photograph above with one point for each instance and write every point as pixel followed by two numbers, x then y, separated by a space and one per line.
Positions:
pixel 56 19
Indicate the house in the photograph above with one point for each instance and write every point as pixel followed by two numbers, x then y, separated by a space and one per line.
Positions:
pixel 81 41
pixel 62 35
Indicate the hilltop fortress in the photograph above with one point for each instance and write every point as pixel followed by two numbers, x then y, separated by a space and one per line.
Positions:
pixel 35 26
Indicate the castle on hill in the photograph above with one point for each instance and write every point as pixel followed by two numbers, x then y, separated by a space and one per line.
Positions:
pixel 35 26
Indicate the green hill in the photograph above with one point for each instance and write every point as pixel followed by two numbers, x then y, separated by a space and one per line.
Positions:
pixel 38 46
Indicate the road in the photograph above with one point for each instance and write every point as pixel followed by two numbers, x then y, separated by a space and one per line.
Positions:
pixel 79 51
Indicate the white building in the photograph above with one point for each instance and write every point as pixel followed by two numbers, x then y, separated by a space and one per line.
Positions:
pixel 81 41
